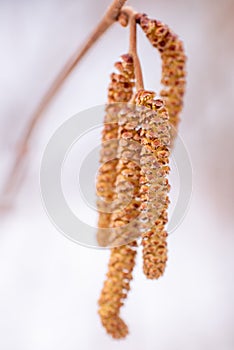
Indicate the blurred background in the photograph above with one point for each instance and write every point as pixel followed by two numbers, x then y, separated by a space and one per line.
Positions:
pixel 49 285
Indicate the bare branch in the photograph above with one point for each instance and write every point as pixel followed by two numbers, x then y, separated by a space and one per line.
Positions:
pixel 108 19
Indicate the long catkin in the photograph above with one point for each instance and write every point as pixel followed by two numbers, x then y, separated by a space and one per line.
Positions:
pixel 126 210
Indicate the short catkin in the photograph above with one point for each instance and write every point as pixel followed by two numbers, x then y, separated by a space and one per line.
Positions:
pixel 154 187
pixel 173 65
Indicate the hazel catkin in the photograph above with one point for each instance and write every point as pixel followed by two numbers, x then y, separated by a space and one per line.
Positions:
pixel 154 187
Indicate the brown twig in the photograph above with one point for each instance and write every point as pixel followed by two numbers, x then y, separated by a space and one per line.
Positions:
pixel 108 19
pixel 133 47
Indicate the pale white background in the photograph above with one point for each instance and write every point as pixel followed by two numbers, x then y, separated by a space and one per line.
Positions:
pixel 49 286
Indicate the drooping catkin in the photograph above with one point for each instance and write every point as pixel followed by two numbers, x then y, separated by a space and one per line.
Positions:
pixel 115 289
pixel 173 65
pixel 155 141
pixel 123 221
pixel 120 90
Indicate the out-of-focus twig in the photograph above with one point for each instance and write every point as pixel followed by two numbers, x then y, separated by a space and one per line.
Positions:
pixel 111 15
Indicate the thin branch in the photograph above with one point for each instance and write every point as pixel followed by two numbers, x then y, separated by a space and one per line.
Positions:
pixel 133 47
pixel 108 19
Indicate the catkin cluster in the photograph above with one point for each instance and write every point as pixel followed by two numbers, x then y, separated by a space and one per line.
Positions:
pixel 143 151
pixel 138 135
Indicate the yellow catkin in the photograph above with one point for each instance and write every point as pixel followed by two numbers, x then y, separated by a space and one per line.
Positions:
pixel 120 90
pixel 155 141
pixel 173 65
